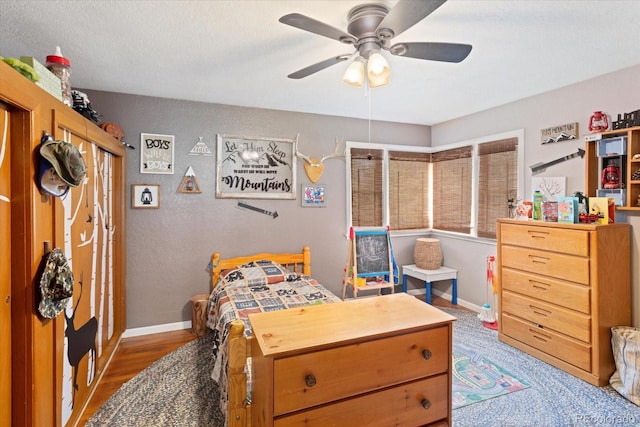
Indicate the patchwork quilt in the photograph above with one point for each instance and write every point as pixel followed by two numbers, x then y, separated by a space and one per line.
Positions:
pixel 255 287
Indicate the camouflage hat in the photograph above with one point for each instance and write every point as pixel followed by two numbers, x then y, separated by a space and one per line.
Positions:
pixel 56 285
pixel 66 160
pixel 50 182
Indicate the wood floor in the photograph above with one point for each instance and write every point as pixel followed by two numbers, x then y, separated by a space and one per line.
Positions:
pixel 136 353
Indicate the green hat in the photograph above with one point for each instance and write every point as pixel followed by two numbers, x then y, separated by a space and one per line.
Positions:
pixel 56 285
pixel 66 160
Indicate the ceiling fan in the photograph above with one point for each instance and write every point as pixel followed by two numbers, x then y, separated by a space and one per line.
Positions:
pixel 370 29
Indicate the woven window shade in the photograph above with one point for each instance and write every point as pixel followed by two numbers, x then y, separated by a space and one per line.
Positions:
pixel 452 171
pixel 498 182
pixel 366 188
pixel 408 190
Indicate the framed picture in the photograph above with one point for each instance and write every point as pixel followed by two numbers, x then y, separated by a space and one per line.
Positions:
pixel 551 187
pixel 255 168
pixel 156 153
pixel 313 196
pixel 145 196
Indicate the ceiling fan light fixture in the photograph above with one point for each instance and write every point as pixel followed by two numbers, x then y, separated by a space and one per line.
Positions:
pixel 377 65
pixel 354 76
pixel 378 71
pixel 377 81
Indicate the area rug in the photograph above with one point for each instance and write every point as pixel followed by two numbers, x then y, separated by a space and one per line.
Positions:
pixel 476 378
pixel 176 391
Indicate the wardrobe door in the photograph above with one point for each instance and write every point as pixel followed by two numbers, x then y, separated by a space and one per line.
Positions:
pixel 5 268
pixel 88 228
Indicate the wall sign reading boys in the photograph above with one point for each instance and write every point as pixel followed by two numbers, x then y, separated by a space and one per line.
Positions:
pixel 258 168
pixel 156 153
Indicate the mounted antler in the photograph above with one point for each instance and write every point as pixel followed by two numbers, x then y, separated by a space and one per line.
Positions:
pixel 314 166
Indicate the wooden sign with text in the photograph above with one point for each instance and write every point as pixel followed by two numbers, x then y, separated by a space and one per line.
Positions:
pixel 259 168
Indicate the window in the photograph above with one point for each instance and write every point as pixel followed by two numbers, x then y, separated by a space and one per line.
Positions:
pixel 452 180
pixel 366 188
pixel 497 183
pixel 461 188
pixel 409 188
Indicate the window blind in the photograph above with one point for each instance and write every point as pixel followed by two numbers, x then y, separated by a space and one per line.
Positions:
pixel 497 183
pixel 452 170
pixel 366 187
pixel 408 190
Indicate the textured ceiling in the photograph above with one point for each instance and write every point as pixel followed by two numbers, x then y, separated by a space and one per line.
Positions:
pixel 237 53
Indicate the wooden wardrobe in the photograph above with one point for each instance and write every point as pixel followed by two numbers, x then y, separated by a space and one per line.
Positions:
pixel 49 368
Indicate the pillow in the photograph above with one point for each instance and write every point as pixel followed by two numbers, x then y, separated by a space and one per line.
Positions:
pixel 256 273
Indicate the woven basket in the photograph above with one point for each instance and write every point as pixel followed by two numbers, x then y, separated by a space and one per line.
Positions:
pixel 427 254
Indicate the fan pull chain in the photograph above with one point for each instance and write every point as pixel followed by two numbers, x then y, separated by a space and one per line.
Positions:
pixel 368 95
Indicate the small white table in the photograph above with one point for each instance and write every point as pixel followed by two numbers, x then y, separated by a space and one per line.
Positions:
pixel 443 273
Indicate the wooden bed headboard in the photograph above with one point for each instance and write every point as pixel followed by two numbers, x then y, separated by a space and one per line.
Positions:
pixel 297 262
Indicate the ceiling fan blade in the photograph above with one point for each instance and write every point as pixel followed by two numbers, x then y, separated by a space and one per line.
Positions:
pixel 318 66
pixel 406 13
pixel 445 52
pixel 309 24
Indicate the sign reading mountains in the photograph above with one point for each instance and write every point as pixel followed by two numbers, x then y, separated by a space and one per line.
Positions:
pixel 559 133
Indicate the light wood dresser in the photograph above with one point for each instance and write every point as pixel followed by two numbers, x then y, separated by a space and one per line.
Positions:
pixel 562 288
pixel 376 361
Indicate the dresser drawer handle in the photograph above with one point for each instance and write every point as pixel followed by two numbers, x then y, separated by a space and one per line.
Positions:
pixel 537 234
pixel 539 311
pixel 539 285
pixel 540 337
pixel 425 403
pixel 310 380
pixel 538 259
pixel 426 354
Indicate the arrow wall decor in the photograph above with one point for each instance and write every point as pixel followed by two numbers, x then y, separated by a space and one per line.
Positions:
pixel 274 214
pixel 541 167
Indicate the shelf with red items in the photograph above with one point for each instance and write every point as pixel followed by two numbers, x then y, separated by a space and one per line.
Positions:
pixel 628 163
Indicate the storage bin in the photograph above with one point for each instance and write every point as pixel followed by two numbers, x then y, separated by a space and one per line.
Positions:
pixel 619 196
pixel 608 147
pixel 427 254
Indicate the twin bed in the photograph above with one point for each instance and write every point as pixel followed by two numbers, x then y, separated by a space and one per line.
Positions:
pixel 245 285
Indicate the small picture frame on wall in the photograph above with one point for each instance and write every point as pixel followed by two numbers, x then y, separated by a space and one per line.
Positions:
pixel 313 196
pixel 145 196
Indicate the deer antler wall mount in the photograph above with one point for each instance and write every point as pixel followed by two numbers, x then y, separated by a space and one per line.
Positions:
pixel 314 166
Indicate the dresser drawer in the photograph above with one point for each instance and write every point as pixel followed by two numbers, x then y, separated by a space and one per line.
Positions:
pixel 311 379
pixel 571 323
pixel 567 267
pixel 573 242
pixel 564 348
pixel 397 406
pixel 558 292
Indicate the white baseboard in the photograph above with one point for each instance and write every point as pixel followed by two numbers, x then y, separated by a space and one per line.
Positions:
pixel 156 329
pixel 447 296
pixel 167 327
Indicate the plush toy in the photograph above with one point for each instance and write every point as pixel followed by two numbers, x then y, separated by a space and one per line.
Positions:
pixel 24 69
pixel 114 130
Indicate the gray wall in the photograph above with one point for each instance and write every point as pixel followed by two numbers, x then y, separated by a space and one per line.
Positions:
pixel 613 93
pixel 168 249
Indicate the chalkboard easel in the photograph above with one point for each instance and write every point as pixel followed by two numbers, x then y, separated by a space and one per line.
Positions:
pixel 369 262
